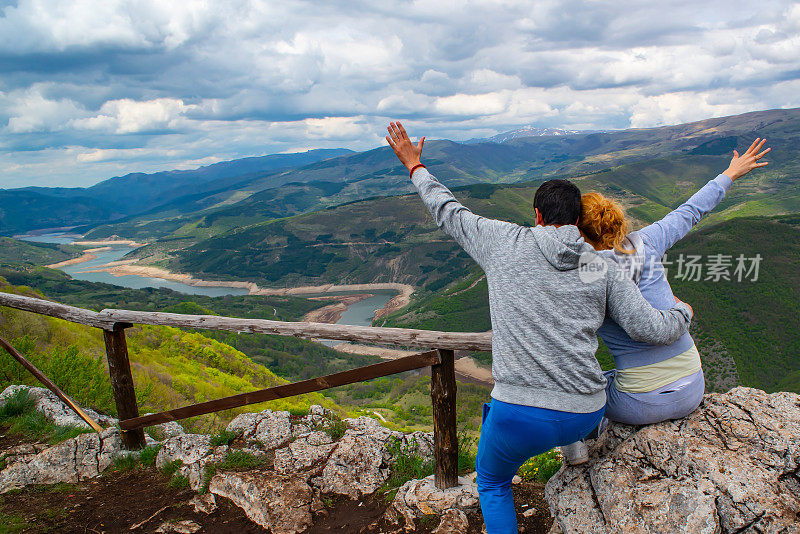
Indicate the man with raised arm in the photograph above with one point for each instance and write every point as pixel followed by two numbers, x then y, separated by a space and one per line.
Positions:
pixel 545 311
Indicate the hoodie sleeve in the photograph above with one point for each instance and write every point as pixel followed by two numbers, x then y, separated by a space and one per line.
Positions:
pixel 477 235
pixel 642 322
pixel 661 235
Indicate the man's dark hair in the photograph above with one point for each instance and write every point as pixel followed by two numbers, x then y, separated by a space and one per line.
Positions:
pixel 559 202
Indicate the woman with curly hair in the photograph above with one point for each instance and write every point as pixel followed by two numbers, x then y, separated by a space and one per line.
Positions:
pixel 652 383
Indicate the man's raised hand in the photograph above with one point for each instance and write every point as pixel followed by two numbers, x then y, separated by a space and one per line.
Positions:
pixel 407 152
pixel 741 165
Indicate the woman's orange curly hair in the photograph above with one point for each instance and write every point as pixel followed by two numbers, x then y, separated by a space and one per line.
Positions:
pixel 602 222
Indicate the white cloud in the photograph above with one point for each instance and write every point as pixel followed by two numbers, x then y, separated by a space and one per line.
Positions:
pixel 128 116
pixel 30 111
pixel 96 88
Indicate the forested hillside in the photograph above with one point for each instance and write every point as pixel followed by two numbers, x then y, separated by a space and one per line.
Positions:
pixel 170 367
pixel 651 168
pixel 191 366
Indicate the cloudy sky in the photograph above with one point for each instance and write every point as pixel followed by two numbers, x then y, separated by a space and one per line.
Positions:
pixel 94 89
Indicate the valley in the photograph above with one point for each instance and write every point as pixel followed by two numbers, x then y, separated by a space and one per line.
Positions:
pixel 342 237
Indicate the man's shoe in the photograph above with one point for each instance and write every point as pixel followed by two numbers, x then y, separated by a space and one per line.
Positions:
pixel 575 453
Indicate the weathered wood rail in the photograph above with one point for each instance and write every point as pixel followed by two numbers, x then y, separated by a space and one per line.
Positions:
pixel 439 357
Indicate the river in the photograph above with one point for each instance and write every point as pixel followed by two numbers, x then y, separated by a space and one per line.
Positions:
pixel 359 313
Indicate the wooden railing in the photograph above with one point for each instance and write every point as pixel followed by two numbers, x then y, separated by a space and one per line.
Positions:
pixel 439 357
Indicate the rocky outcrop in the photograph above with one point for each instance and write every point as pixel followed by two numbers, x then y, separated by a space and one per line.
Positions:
pixel 271 429
pixel 418 498
pixel 278 502
pixel 46 403
pixel 194 452
pixel 306 461
pixel 74 460
pixel 731 466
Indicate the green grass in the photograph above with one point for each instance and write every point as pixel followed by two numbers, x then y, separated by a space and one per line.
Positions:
pixel 406 464
pixel 143 459
pixel 467 451
pixel 235 460
pixel 178 482
pixel 19 417
pixel 170 468
pixel 224 437
pixel 147 456
pixel 12 523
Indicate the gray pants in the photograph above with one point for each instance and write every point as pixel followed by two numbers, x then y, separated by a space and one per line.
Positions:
pixel 673 401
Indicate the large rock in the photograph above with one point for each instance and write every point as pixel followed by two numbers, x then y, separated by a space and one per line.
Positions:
pixel 74 460
pixel 359 464
pixel 279 503
pixel 272 429
pixel 303 453
pixel 46 403
pixel 418 498
pixel 194 452
pixel 731 466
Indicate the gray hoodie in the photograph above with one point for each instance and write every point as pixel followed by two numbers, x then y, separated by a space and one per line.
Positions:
pixel 548 294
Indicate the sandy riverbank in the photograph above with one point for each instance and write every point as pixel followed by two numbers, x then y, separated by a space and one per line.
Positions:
pixel 367 350
pixel 470 368
pixel 88 255
pixel 130 267
pixel 465 367
pixel 126 242
pixel 333 312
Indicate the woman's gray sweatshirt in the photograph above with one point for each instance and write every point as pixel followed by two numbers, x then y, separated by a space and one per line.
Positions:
pixel 545 311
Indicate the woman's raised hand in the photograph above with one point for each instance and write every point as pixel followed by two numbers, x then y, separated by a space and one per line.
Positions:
pixel 741 165
pixel 407 152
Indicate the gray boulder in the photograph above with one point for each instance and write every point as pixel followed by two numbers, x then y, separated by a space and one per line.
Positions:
pixel 731 466
pixel 359 464
pixel 418 498
pixel 277 502
pixel 74 460
pixel 272 429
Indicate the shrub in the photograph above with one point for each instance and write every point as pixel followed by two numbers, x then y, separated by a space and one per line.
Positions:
pixel 334 427
pixel 541 468
pixel 17 404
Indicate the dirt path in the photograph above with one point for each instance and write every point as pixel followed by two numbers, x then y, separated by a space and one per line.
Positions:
pixel 116 502
pixel 473 284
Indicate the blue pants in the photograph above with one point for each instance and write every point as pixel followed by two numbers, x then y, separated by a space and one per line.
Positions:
pixel 510 435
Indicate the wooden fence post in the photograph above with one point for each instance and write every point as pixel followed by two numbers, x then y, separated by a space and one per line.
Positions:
pixel 445 439
pixel 119 369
